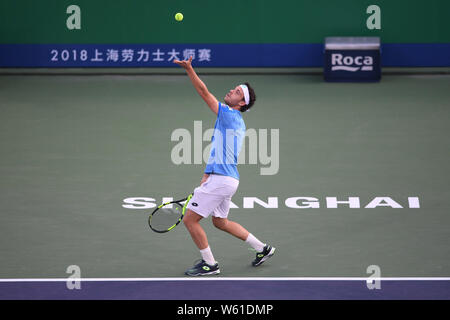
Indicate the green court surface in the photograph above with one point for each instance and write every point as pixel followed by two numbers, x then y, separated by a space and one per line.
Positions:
pixel 74 147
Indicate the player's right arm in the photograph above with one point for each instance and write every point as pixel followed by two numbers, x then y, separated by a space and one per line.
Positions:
pixel 201 88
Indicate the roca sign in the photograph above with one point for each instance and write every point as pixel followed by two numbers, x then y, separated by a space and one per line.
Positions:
pixel 352 60
pixel 351 64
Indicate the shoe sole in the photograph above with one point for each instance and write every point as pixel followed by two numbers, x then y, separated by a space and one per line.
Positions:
pixel 203 274
pixel 271 253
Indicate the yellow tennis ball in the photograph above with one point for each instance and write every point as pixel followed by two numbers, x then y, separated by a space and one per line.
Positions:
pixel 179 16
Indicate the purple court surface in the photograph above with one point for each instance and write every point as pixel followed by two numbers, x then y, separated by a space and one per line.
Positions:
pixel 227 289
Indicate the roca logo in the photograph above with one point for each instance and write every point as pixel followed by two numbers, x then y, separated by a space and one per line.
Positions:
pixel 349 63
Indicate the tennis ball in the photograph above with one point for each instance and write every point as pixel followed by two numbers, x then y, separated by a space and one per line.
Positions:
pixel 179 16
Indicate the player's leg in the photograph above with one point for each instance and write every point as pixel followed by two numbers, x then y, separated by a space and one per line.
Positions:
pixel 221 221
pixel 231 227
pixel 238 231
pixel 208 265
pixel 201 206
pixel 192 222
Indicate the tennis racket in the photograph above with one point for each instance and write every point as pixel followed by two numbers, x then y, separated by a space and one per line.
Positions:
pixel 168 215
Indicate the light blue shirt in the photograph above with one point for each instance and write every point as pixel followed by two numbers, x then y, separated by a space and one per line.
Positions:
pixel 229 133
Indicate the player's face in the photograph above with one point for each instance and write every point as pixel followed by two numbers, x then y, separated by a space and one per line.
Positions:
pixel 234 97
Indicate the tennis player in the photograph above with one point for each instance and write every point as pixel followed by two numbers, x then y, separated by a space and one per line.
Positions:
pixel 221 178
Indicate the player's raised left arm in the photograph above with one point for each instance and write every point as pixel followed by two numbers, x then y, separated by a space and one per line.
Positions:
pixel 201 88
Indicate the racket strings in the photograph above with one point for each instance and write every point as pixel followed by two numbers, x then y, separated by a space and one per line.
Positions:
pixel 166 216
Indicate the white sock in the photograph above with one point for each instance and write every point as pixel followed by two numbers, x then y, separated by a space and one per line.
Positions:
pixel 255 243
pixel 208 256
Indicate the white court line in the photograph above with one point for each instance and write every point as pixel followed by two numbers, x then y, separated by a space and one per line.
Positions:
pixel 371 279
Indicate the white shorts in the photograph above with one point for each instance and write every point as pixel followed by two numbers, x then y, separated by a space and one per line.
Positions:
pixel 214 196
